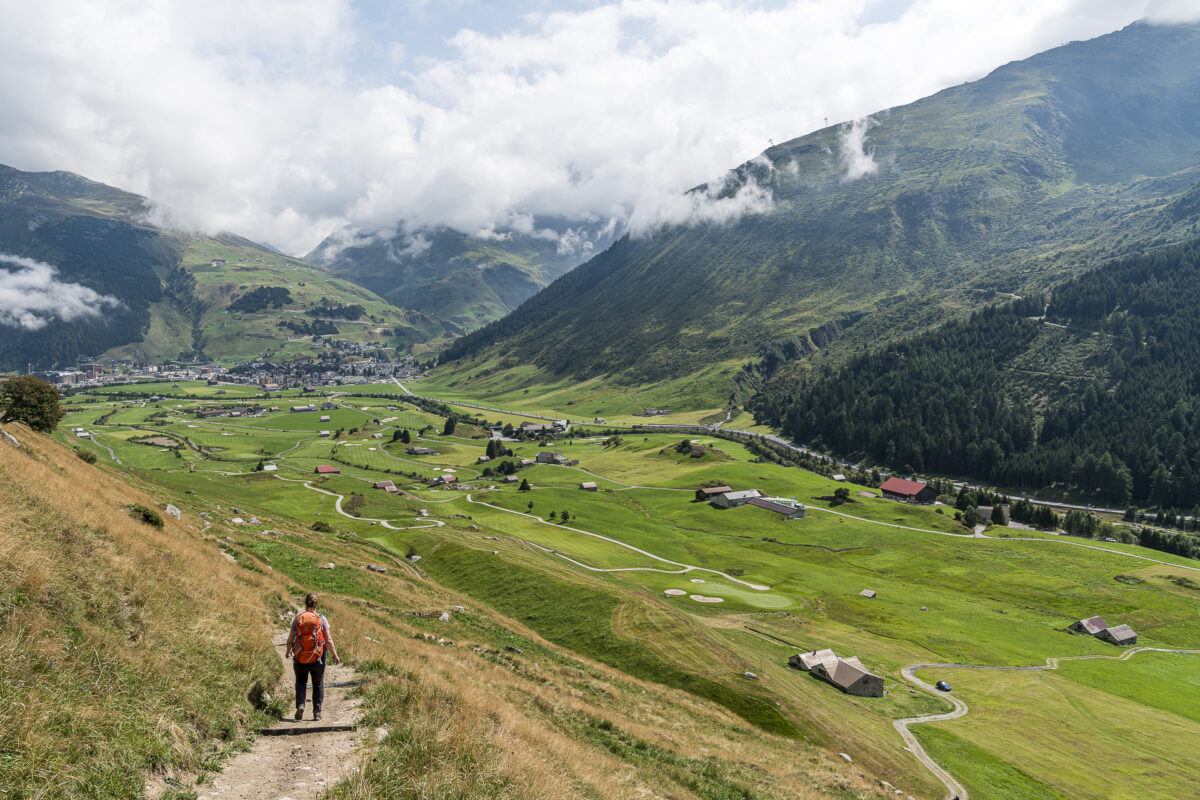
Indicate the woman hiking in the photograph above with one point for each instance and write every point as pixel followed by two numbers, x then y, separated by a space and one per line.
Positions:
pixel 307 642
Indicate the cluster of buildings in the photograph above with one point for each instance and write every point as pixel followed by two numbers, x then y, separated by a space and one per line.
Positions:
pixel 847 674
pixel 726 497
pixel 1096 626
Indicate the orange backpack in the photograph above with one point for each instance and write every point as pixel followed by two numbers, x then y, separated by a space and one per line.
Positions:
pixel 309 644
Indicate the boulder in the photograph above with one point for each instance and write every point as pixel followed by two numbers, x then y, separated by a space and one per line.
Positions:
pixel 172 511
pixel 377 568
pixel 445 617
pixel 330 565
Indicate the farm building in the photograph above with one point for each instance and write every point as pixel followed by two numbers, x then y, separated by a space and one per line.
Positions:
pixel 325 469
pixel 442 480
pixel 301 409
pixel 417 450
pixel 384 485
pixel 786 510
pixel 1092 625
pixel 323 433
pixel 327 406
pixel 588 486
pixel 324 418
pixel 511 479
pixel 849 675
pixel 735 499
pixel 270 468
pixel 712 491
pixel 907 491
pixel 207 413
pixel 806 661
pixel 483 459
pixel 546 457
pixel 1120 635
pixel 868 593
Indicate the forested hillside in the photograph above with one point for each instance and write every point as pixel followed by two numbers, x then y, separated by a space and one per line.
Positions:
pixel 1007 184
pixel 1102 394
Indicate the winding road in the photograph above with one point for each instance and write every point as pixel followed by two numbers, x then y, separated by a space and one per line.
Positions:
pixel 619 543
pixel 953 787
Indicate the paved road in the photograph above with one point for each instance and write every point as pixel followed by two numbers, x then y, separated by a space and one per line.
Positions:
pixel 953 787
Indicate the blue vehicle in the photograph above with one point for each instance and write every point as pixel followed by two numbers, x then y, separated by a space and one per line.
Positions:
pixel 942 686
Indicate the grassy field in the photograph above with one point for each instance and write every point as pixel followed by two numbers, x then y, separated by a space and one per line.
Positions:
pixel 597 584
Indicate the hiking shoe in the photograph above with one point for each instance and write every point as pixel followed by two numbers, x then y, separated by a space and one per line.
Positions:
pixel 299 713
pixel 316 715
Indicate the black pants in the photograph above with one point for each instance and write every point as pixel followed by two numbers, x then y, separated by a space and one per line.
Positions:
pixel 317 671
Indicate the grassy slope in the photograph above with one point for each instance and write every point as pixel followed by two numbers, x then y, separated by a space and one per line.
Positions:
pixel 232 336
pixel 95 602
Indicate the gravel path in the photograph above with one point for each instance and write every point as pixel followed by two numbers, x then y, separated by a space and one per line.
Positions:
pixel 298 767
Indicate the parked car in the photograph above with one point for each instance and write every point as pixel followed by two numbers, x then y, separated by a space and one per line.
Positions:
pixel 942 686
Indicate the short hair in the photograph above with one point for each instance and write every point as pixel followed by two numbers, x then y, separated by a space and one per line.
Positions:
pixel 311 600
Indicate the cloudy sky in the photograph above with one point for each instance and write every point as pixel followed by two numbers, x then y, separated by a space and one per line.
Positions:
pixel 284 120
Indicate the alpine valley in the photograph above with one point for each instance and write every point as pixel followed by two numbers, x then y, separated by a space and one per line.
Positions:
pixel 876 476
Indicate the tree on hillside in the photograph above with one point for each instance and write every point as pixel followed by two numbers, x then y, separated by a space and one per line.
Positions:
pixel 491 448
pixel 524 487
pixel 565 516
pixel 406 437
pixel 448 430
pixel 396 434
pixel 24 398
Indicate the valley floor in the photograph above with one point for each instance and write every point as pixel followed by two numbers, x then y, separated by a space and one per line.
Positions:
pixel 637 575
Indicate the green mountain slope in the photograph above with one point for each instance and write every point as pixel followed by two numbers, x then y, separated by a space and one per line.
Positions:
pixel 1006 184
pixel 464 281
pixel 1101 395
pixel 170 293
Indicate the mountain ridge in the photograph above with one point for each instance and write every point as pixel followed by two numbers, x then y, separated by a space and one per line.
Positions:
pixel 998 185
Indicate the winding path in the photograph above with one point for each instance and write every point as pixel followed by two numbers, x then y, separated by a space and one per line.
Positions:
pixel 619 543
pixel 953 787
pixel 337 505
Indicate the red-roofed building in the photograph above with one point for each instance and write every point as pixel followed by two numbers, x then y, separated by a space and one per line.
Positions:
pixel 325 469
pixel 907 491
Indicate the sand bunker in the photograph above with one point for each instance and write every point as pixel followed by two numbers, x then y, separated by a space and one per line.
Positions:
pixel 699 598
pixel 674 592
pixel 697 580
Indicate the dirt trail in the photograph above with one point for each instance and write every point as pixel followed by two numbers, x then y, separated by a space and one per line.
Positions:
pixel 299 767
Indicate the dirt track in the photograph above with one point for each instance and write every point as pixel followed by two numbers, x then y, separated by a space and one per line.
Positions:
pixel 299 767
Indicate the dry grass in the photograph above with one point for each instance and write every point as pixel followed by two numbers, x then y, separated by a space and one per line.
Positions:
pixel 133 650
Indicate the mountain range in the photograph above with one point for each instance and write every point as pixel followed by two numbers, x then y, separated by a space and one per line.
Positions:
pixel 149 294
pixel 461 280
pixel 879 228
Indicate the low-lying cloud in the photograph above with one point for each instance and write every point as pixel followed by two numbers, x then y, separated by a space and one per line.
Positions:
pixel 31 296
pixel 858 160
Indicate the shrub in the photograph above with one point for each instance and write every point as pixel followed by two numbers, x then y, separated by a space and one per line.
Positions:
pixel 87 456
pixel 144 514
pixel 322 527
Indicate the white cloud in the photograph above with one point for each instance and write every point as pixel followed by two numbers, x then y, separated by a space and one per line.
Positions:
pixel 858 160
pixel 256 116
pixel 31 296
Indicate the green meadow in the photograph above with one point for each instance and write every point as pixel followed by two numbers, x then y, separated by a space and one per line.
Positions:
pixel 598 583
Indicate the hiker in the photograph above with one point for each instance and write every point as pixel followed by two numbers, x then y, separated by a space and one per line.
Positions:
pixel 306 643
